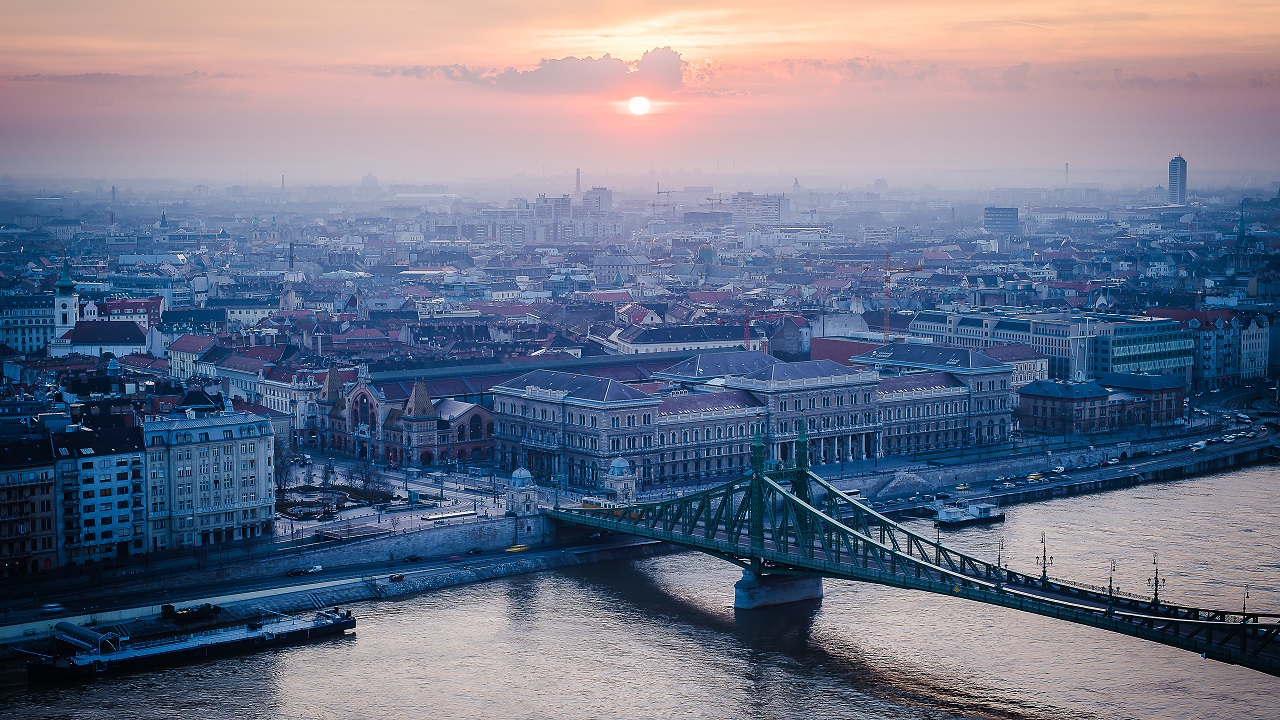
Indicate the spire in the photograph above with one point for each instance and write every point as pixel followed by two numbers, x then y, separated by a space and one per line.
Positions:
pixel 65 285
pixel 420 404
pixel 332 386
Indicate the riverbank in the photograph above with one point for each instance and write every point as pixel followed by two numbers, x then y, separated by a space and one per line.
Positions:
pixel 1175 465
pixel 145 622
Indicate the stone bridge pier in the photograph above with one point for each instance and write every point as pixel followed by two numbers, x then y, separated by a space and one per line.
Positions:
pixel 759 590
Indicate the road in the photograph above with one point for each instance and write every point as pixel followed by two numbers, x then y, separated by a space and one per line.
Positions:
pixel 160 592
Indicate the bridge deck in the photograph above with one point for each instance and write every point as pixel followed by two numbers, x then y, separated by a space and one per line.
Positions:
pixel 812 528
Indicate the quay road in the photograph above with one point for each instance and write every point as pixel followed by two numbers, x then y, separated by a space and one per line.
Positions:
pixel 80 604
pixel 1052 485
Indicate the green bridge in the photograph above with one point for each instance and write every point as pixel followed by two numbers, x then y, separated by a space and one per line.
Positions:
pixel 790 528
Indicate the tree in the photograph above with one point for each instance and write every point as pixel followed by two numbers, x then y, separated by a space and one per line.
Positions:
pixel 369 480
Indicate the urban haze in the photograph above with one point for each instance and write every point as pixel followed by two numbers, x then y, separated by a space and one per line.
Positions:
pixel 493 360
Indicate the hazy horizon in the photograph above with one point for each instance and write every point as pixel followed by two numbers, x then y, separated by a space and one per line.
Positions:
pixel 935 93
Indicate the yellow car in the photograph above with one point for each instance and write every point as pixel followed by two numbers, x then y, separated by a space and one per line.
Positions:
pixel 517 548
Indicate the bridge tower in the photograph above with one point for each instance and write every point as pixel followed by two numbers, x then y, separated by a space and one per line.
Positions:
pixel 759 589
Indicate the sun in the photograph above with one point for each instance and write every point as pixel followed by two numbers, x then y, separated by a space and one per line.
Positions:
pixel 638 105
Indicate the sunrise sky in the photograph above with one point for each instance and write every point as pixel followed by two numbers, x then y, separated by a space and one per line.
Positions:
pixel 425 91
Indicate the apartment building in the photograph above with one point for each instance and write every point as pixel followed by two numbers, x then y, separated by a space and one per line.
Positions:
pixel 27 515
pixel 208 474
pixel 102 513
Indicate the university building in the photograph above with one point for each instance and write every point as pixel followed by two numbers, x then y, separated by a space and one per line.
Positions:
pixel 701 423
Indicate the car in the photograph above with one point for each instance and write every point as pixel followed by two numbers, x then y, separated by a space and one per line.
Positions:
pixel 412 558
pixel 295 572
pixel 314 569
pixel 1113 461
pixel 455 558
pixel 962 487
pixel 478 551
pixel 52 608
pixel 517 548
pixel 1059 469
pixel 398 577
pixel 943 495
pixel 440 522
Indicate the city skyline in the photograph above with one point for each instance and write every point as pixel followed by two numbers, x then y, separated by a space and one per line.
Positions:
pixel 824 90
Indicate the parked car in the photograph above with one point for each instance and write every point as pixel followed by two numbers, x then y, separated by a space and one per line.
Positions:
pixel 52 608
pixel 314 569
pixel 295 572
pixel 398 577
pixel 412 558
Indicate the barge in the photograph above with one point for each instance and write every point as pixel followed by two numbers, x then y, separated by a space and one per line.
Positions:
pixel 975 514
pixel 94 654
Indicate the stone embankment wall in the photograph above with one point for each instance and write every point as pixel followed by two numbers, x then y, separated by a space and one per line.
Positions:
pixel 933 477
pixel 454 539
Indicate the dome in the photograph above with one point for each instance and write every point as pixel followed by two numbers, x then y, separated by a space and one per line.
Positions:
pixel 619 467
pixel 521 477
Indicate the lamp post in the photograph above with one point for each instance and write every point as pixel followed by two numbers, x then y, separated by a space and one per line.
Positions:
pixel 1111 588
pixel 1044 561
pixel 1155 583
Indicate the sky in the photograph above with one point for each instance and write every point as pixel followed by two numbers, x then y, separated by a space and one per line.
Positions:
pixel 825 90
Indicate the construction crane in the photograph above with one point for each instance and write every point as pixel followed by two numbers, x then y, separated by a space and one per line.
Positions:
pixel 666 202
pixel 888 269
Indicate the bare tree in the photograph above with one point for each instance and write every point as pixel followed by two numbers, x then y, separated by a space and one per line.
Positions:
pixel 368 479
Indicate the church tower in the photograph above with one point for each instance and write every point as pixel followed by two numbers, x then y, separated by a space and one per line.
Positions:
pixel 66 302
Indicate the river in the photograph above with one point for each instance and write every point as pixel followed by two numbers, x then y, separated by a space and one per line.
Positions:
pixel 659 638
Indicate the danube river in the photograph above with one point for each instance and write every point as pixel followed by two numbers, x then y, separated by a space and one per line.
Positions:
pixel 659 638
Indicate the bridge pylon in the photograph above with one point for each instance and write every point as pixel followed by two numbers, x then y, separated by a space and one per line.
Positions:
pixel 758 587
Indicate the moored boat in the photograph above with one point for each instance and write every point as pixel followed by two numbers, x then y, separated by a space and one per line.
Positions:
pixel 97 653
pixel 953 516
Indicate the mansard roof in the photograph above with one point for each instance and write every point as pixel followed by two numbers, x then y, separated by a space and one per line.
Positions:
pixel 805 370
pixel 578 387
pixel 712 365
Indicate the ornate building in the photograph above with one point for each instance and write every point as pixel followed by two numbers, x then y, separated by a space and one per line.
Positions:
pixel 399 422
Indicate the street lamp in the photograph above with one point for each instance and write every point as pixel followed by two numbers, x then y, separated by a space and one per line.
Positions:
pixel 1044 561
pixel 1155 583
pixel 1111 588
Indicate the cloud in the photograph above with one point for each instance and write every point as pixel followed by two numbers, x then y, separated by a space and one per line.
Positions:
pixel 660 69
pixel 1125 81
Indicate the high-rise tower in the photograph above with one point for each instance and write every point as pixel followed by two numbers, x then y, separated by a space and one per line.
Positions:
pixel 1177 181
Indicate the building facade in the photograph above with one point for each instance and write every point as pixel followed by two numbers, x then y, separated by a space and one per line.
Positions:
pixel 1078 345
pixel 27 322
pixel 209 475
pixel 700 427
pixel 28 538
pixel 399 422
pixel 103 515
